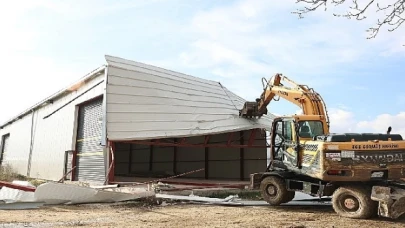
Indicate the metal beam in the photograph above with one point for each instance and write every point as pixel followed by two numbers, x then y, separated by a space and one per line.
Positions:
pixel 229 139
pixel 130 159
pixel 252 137
pixel 151 157
pixel 206 161
pixel 175 158
pixel 242 156
pixel 182 142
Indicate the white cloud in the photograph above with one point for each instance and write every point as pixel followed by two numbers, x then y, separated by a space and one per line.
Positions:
pixel 251 39
pixel 26 68
pixel 381 123
pixel 343 120
pixel 240 43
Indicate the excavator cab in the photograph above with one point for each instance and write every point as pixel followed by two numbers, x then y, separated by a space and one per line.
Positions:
pixel 289 135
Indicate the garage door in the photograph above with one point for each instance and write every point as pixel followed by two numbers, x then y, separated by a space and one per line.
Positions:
pixel 90 163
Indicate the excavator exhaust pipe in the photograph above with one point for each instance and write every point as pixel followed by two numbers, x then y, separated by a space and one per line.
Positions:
pixel 251 109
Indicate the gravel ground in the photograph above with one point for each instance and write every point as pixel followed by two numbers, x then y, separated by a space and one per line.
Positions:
pixel 185 215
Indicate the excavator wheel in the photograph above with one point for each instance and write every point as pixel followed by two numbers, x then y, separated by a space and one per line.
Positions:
pixel 291 196
pixel 274 191
pixel 354 202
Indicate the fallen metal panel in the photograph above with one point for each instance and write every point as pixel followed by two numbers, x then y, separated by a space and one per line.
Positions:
pixel 55 193
pixel 234 200
pixel 231 198
pixel 20 205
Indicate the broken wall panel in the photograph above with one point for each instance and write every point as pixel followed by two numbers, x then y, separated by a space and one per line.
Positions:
pixel 189 159
pixel 162 161
pixel 121 153
pixel 140 158
pixel 255 159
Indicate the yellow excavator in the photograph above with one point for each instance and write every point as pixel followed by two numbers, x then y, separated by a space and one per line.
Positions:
pixel 361 172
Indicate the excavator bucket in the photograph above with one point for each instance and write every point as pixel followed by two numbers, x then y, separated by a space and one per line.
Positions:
pixel 391 201
pixel 250 109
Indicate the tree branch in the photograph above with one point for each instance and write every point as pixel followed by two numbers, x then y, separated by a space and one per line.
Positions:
pixel 393 19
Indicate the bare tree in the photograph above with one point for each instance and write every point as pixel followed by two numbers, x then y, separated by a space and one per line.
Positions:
pixel 393 18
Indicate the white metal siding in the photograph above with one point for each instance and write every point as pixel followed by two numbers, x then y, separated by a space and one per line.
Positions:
pixel 52 136
pixel 145 102
pixel 18 144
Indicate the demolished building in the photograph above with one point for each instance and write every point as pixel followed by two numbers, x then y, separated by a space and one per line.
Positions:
pixel 129 119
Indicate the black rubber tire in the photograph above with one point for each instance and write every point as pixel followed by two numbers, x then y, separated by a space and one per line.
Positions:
pixel 280 194
pixel 364 207
pixel 291 195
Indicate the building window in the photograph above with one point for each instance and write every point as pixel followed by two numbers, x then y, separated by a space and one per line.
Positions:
pixel 4 146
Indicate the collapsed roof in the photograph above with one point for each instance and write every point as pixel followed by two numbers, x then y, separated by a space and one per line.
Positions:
pixel 147 102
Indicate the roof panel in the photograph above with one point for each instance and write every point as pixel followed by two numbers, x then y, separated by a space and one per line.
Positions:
pixel 146 102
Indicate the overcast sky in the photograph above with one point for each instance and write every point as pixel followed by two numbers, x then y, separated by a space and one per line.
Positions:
pixel 48 44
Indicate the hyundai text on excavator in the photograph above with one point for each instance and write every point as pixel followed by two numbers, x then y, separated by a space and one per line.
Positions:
pixel 360 171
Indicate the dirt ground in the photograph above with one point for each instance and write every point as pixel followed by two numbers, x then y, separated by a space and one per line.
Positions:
pixel 184 215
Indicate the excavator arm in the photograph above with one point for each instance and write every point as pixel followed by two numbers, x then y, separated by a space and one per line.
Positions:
pixel 304 97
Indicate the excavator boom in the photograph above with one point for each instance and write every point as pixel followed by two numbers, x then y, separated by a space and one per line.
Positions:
pixel 304 97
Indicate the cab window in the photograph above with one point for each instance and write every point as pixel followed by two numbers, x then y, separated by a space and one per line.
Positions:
pixel 310 128
pixel 287 130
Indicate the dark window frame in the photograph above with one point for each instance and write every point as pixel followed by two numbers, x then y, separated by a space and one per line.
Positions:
pixel 3 140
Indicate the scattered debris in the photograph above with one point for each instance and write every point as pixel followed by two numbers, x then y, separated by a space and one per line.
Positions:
pixel 18 195
pixel 56 193
pixel 20 205
pixel 24 195
pixel 228 200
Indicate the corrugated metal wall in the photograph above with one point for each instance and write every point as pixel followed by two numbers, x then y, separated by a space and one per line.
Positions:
pixel 223 163
pixel 52 136
pixel 90 164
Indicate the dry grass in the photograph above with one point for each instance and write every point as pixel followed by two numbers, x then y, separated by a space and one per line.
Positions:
pixel 8 173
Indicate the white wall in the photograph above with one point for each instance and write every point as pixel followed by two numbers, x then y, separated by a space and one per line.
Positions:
pixel 52 136
pixel 19 144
